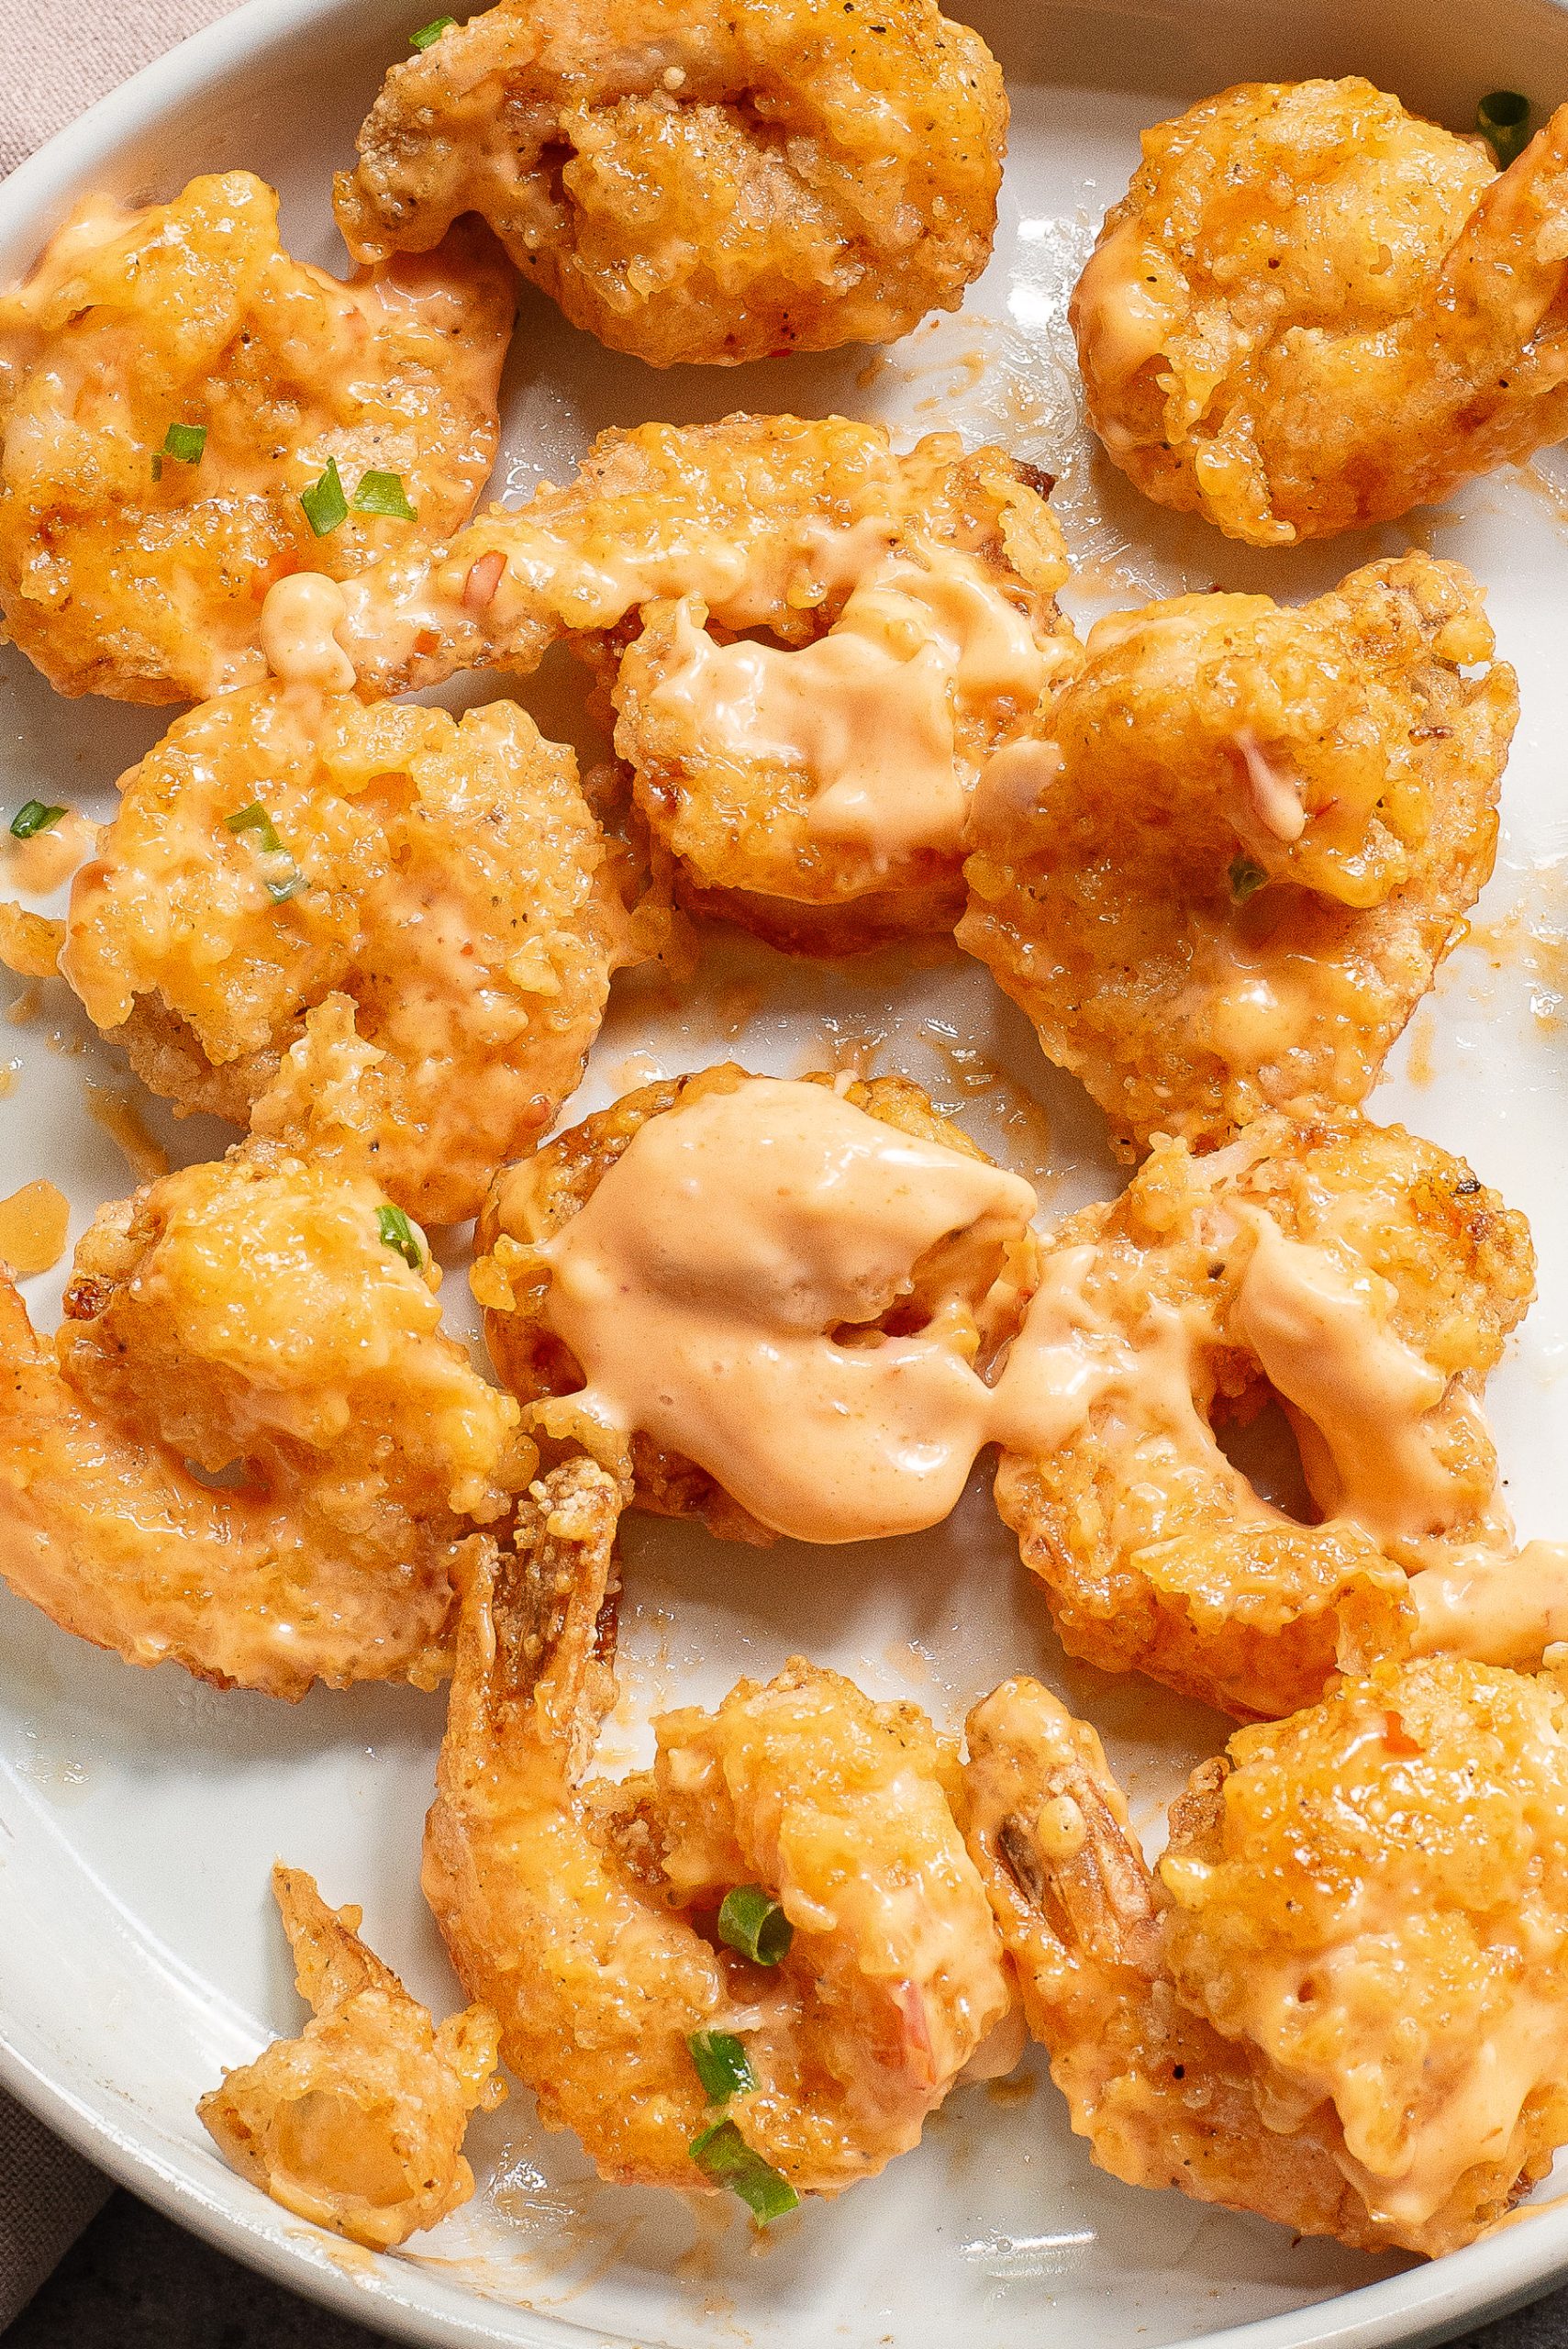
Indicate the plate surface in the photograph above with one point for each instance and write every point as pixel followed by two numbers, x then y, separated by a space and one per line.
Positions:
pixel 140 1813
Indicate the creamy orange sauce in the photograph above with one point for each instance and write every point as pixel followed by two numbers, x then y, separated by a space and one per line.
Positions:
pixel 719 1290
pixel 1492 1606
pixel 1123 321
pixel 868 711
pixel 1322 1336
pixel 40 864
pixel 1012 788
pixel 298 617
pixel 33 1225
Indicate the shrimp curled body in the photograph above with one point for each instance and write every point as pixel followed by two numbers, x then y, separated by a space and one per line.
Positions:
pixel 707 186
pixel 1220 874
pixel 171 385
pixel 1313 311
pixel 250 1448
pixel 1339 2001
pixel 441 885
pixel 1364 1280
pixel 583 1912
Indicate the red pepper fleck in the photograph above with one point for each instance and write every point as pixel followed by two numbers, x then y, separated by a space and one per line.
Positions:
pixel 1396 1737
pixel 479 588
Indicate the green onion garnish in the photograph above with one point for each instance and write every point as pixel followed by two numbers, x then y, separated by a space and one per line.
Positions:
pixel 383 494
pixel 1503 119
pixel 185 441
pixel 722 2064
pixel 256 820
pixel 429 33
pixel 1246 877
pixel 325 505
pixel 281 886
pixel 157 464
pixel 397 1233
pixel 35 818
pixel 722 2152
pixel 750 1920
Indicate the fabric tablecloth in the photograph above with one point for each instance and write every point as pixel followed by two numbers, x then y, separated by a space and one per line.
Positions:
pixel 56 56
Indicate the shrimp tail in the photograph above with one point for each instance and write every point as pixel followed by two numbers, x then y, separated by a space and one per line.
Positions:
pixel 535 1658
pixel 1047 1827
pixel 1506 276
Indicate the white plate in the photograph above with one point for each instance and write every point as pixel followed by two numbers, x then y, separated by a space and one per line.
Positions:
pixel 140 1813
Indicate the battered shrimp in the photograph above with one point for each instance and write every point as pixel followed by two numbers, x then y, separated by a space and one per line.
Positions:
pixel 1367 1281
pixel 770 522
pixel 250 1448
pixel 358 2124
pixel 584 1913
pixel 1312 310
pixel 1220 878
pixel 768 1304
pixel 1341 2002
pixel 441 886
pixel 705 186
pixel 171 382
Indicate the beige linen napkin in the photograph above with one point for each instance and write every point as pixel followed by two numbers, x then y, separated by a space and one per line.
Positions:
pixel 56 56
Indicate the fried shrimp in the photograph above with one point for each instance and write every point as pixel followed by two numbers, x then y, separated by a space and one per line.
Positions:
pixel 765 1303
pixel 1342 2000
pixel 1367 1280
pixel 1220 877
pixel 699 185
pixel 250 1448
pixel 1312 310
pixel 172 382
pixel 818 794
pixel 358 2124
pixel 440 885
pixel 592 1916
pixel 770 522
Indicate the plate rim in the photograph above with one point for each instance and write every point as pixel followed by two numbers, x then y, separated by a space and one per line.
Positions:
pixel 1423 2305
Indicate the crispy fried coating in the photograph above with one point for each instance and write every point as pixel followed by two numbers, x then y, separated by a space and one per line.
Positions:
pixel 358 2124
pixel 769 520
pixel 440 885
pixel 1365 1279
pixel 707 186
pixel 1313 311
pixel 583 1912
pixel 250 1448
pixel 1222 879
pixel 818 794
pixel 131 571
pixel 1342 2002
pixel 535 1200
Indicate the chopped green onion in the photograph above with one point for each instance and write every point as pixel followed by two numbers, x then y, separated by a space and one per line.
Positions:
pixel 157 464
pixel 722 2152
pixel 750 1920
pixel 383 494
pixel 1246 877
pixel 428 34
pixel 722 2064
pixel 397 1233
pixel 326 508
pixel 281 886
pixel 256 820
pixel 185 441
pixel 35 818
pixel 1503 119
